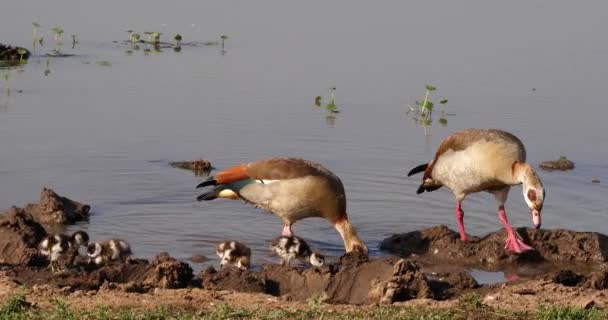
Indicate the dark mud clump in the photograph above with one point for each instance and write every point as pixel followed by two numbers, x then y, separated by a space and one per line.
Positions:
pixel 19 237
pixel 169 273
pixel 363 282
pixel 595 280
pixel 133 275
pixel 200 167
pixel 55 209
pixel 11 54
pixel 231 279
pixel 557 246
pixel 561 164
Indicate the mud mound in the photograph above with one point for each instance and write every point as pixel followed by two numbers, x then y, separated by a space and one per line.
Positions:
pixel 231 279
pixel 594 280
pixel 200 167
pixel 136 275
pixel 55 209
pixel 19 237
pixel 488 252
pixel 9 53
pixel 561 164
pixel 169 273
pixel 357 281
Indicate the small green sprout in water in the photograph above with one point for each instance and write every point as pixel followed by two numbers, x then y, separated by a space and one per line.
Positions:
pixel 21 53
pixel 224 38
pixel 318 101
pixel 58 33
pixel 331 108
pixel 156 37
pixel 47 71
pixel 135 38
pixel 423 110
pixel 104 63
pixel 178 40
pixel 74 41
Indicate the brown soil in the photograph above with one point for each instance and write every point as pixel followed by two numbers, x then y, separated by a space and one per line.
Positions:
pixel 200 167
pixel 19 237
pixel 561 164
pixel 551 246
pixel 55 209
pixel 353 280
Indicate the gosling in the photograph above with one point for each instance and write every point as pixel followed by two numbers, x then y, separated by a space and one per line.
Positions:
pixel 292 247
pixel 233 253
pixel 56 246
pixel 102 252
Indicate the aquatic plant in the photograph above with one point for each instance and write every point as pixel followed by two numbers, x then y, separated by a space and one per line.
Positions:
pixel 58 34
pixel 156 37
pixel 104 63
pixel 74 41
pixel 21 52
pixel 422 111
pixel 47 71
pixel 224 38
pixel 35 34
pixel 331 108
pixel 178 40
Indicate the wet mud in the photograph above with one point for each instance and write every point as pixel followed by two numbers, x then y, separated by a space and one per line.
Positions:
pixel 561 164
pixel 200 167
pixel 352 279
pixel 55 209
pixel 442 244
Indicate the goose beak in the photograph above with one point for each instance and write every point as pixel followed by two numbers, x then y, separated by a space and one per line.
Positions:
pixel 535 218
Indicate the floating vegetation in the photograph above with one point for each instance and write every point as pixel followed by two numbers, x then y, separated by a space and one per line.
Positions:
pixel 422 111
pixel 330 107
pixel 104 63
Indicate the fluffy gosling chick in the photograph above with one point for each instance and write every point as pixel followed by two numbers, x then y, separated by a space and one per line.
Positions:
pixel 233 253
pixel 55 246
pixel 295 247
pixel 102 252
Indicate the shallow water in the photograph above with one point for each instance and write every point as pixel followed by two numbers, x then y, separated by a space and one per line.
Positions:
pixel 104 134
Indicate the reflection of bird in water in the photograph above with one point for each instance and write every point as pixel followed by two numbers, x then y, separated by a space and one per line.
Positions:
pixel 489 160
pixel 233 253
pixel 292 247
pixel 102 252
pixel 57 246
pixel 292 189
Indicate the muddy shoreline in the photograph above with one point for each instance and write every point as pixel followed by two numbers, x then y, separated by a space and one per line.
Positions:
pixel 563 258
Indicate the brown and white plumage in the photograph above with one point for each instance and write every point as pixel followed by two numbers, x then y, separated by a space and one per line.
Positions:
pixel 292 189
pixel 233 253
pixel 491 160
pixel 56 246
pixel 102 252
pixel 294 247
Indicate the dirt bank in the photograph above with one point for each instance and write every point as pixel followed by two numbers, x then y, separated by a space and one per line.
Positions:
pixel 442 244
pixel 55 209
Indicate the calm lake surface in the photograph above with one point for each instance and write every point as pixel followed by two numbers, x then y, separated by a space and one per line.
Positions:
pixel 104 135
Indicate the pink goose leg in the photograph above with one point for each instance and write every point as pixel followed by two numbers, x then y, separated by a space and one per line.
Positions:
pixel 460 218
pixel 287 231
pixel 514 243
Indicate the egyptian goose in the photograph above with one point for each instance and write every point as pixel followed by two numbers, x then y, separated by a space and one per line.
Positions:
pixel 233 253
pixel 292 189
pixel 55 246
pixel 101 252
pixel 491 160
pixel 295 247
